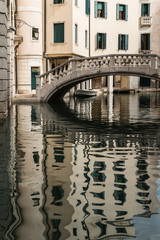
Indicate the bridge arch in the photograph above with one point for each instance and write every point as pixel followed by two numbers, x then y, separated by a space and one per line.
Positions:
pixel 58 81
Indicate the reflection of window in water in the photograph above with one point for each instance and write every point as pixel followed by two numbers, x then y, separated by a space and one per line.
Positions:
pixel 100 195
pixel 118 166
pixel 33 115
pixel 144 101
pixel 56 232
pixel 121 230
pixel 36 157
pixel 119 196
pixel 59 154
pixel 103 228
pixel 96 174
pixel 120 178
pixel 121 213
pixel 57 194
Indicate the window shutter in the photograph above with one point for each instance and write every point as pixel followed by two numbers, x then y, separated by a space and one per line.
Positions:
pixel 97 39
pixel 126 12
pixel 119 41
pixel 117 11
pixel 142 9
pixel 95 9
pixel 59 33
pixel 62 1
pixel 141 41
pixel 126 42
pixel 104 40
pixel 105 9
pixel 87 7
pixel 148 41
pixel 85 38
pixel 76 27
pixel 148 9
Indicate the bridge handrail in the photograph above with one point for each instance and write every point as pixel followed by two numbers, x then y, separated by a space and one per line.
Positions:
pixel 95 57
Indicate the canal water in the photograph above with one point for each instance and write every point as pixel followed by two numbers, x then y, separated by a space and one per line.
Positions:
pixel 82 169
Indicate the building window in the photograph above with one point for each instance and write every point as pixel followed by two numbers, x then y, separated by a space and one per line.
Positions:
pixel 76 2
pixel 76 33
pixel 101 40
pixel 145 82
pixel 122 12
pixel 35 33
pixel 59 33
pixel 145 41
pixel 100 9
pixel 145 9
pixel 58 1
pixel 86 38
pixel 34 71
pixel 122 42
pixel 87 7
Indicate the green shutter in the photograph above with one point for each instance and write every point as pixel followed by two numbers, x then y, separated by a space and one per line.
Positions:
pixel 105 9
pixel 142 9
pixel 95 9
pixel 117 11
pixel 142 42
pixel 85 38
pixel 126 12
pixel 104 40
pixel 59 33
pixel 148 41
pixel 97 39
pixel 76 33
pixel 34 71
pixel 87 7
pixel 148 9
pixel 126 42
pixel 119 41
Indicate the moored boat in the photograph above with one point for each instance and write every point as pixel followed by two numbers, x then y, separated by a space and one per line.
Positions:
pixel 85 93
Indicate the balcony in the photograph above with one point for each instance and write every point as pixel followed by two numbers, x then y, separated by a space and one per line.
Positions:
pixel 146 21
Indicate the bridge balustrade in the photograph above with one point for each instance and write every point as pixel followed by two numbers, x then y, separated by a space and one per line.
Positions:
pixel 148 64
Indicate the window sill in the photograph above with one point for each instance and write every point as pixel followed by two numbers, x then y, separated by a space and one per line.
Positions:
pixel 57 5
pixel 55 44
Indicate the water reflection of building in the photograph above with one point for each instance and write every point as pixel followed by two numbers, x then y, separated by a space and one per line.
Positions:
pixel 29 178
pixel 115 181
pixel 57 170
pixel 90 183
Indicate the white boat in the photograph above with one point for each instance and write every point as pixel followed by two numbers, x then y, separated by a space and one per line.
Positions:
pixel 85 93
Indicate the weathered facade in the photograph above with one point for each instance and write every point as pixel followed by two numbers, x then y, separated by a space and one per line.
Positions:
pixel 7 9
pixel 3 60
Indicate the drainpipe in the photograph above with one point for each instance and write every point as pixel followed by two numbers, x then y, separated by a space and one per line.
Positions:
pixel 89 28
pixel 45 35
pixel 16 68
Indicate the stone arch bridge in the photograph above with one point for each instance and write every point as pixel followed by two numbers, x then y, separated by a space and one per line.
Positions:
pixel 58 81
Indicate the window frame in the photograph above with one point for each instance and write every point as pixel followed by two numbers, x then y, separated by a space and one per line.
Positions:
pixel 123 42
pixel 58 2
pixel 143 9
pixel 76 3
pixel 122 15
pixel 34 38
pixel 54 33
pixel 145 43
pixel 100 13
pixel 103 43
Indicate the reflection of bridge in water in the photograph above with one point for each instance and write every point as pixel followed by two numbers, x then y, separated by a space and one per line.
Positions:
pixel 59 80
pixel 109 173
